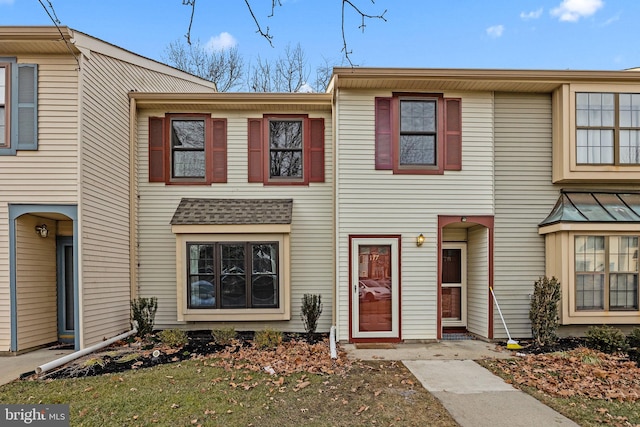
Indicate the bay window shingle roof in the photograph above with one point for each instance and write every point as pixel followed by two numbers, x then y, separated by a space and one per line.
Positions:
pixel 232 211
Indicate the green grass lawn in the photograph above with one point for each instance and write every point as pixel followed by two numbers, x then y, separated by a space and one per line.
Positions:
pixel 196 393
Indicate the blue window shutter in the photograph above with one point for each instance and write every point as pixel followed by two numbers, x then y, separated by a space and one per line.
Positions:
pixel 24 120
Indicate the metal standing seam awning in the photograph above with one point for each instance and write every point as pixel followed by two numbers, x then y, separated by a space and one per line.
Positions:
pixel 594 206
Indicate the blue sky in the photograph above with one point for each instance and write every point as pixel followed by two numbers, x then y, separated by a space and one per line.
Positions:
pixel 514 34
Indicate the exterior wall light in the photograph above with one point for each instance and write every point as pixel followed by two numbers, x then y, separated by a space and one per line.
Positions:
pixel 420 240
pixel 42 231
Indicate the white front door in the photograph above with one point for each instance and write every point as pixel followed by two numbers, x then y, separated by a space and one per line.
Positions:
pixel 454 285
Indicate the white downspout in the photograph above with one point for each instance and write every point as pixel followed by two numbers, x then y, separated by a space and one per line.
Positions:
pixel 332 342
pixel 69 357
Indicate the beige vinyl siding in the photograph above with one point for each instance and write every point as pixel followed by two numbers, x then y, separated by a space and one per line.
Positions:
pixel 478 281
pixel 46 176
pixel 374 202
pixel 105 195
pixel 524 197
pixel 36 290
pixel 311 229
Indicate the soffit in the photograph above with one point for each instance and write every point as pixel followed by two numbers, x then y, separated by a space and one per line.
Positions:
pixel 232 211
pixel 272 102
pixel 409 79
pixel 35 40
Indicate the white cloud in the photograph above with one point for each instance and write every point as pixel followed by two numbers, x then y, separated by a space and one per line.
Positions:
pixel 573 10
pixel 534 14
pixel 495 31
pixel 305 88
pixel 6 2
pixel 220 42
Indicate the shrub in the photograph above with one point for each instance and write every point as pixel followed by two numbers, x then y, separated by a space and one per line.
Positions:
pixel 174 338
pixel 267 338
pixel 543 312
pixel 223 336
pixel 634 338
pixel 310 312
pixel 606 339
pixel 143 311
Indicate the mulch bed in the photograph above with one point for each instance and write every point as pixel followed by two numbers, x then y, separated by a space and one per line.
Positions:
pixel 300 352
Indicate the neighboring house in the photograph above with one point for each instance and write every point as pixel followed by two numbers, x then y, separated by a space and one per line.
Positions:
pixel 65 183
pixel 473 162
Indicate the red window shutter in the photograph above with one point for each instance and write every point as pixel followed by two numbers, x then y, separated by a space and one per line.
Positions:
pixel 316 150
pixel 156 150
pixel 218 156
pixel 255 155
pixel 453 134
pixel 383 129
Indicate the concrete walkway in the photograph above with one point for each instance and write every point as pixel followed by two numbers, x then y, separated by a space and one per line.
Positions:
pixel 473 396
pixel 12 367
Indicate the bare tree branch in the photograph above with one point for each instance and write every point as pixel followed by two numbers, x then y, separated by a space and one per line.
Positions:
pixel 191 3
pixel 266 35
pixel 363 16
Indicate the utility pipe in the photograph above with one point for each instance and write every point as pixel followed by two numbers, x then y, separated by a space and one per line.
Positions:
pixel 332 342
pixel 69 357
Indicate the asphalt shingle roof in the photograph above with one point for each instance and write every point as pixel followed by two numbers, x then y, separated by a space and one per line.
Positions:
pixel 232 211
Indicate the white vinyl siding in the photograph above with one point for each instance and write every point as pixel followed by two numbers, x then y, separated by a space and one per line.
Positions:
pixel 524 197
pixel 374 202
pixel 46 176
pixel 312 259
pixel 36 292
pixel 105 176
pixel 478 281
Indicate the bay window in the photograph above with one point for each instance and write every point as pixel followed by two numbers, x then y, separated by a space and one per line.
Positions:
pixel 606 272
pixel 232 275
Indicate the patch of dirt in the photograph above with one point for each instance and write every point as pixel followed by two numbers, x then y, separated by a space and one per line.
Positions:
pixel 297 353
pixel 562 344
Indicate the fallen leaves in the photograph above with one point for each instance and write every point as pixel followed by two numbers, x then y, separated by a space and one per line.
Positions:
pixel 286 359
pixel 580 372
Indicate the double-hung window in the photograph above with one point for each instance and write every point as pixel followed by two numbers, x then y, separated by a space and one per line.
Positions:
pixel 18 106
pixel 5 74
pixel 606 272
pixel 286 149
pixel 187 149
pixel 418 134
pixel 608 128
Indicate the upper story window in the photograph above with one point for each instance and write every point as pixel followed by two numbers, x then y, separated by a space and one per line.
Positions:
pixel 18 106
pixel 606 272
pixel 286 152
pixel 418 134
pixel 4 100
pixel 286 149
pixel 187 149
pixel 608 128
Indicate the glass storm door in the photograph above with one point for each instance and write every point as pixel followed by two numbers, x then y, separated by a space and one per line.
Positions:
pixel 454 298
pixel 66 303
pixel 374 288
